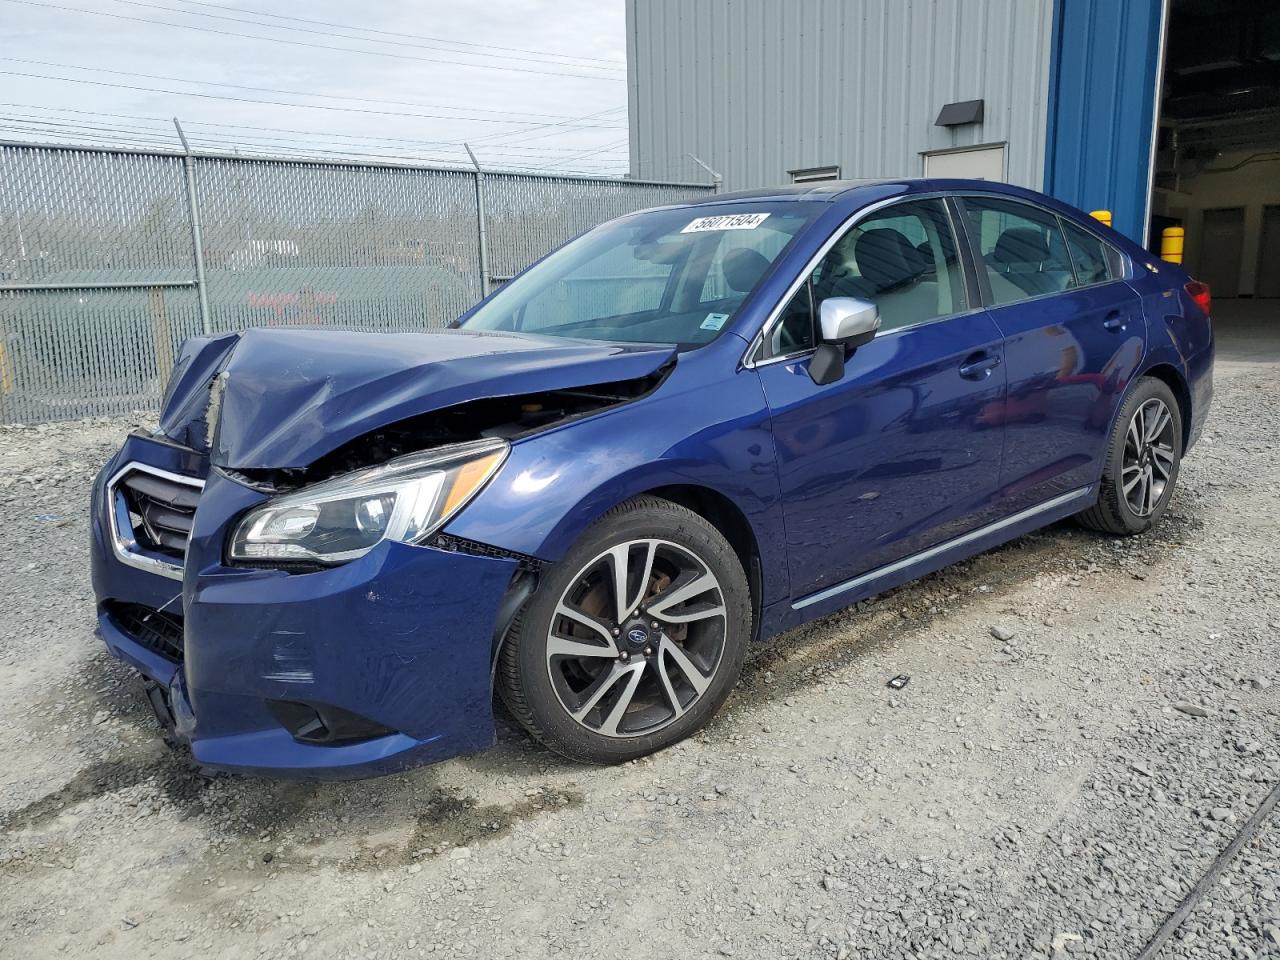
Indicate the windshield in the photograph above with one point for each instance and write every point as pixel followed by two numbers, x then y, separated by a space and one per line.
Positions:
pixel 670 276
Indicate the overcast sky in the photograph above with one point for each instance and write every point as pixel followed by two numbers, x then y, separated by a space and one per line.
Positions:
pixel 555 97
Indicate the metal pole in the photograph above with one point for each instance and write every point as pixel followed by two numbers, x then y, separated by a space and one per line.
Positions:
pixel 484 238
pixel 716 179
pixel 197 236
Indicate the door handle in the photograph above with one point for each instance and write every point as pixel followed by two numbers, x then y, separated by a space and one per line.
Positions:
pixel 1115 321
pixel 979 365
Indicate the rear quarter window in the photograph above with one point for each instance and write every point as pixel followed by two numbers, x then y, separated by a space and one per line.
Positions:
pixel 1021 247
pixel 1095 260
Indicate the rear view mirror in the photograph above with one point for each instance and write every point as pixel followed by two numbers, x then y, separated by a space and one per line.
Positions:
pixel 845 323
pixel 665 253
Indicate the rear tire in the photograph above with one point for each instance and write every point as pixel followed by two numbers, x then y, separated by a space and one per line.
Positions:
pixel 603 678
pixel 1144 454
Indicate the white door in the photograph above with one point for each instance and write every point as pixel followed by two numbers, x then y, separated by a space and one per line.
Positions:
pixel 980 163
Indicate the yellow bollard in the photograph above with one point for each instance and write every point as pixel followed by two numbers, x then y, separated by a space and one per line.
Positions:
pixel 1102 216
pixel 1171 239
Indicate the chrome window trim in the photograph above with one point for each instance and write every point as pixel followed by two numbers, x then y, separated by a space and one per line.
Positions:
pixel 123 543
pixel 757 342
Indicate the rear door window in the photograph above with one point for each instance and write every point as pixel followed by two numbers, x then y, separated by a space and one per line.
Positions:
pixel 1021 247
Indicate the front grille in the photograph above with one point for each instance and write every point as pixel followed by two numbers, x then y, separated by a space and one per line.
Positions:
pixel 157 630
pixel 160 511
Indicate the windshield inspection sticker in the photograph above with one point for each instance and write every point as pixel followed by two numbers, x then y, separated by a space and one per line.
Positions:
pixel 714 321
pixel 730 221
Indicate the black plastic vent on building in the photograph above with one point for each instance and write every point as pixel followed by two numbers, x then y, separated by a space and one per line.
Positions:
pixel 958 114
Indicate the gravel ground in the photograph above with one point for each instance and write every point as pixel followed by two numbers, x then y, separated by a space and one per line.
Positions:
pixel 1057 793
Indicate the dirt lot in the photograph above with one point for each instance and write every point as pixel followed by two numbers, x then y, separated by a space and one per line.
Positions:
pixel 1055 794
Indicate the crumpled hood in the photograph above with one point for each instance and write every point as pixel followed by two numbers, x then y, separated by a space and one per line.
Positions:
pixel 291 396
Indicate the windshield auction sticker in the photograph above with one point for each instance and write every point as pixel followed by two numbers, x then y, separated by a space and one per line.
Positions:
pixel 731 221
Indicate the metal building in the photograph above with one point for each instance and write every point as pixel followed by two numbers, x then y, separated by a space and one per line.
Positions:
pixel 1161 111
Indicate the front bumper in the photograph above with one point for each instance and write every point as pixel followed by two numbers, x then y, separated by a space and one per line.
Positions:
pixel 399 639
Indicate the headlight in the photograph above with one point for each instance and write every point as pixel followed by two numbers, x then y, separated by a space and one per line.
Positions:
pixel 405 499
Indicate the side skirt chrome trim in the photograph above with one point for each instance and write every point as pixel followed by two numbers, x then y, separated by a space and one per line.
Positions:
pixel 899 565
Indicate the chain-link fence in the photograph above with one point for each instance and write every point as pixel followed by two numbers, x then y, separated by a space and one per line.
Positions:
pixel 110 258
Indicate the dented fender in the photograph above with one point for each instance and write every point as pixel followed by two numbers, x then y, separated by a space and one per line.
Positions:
pixel 698 429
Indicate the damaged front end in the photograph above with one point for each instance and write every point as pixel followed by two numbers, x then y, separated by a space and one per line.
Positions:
pixel 306 616
pixel 511 418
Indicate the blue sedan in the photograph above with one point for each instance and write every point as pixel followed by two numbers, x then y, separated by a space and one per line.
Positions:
pixel 690 428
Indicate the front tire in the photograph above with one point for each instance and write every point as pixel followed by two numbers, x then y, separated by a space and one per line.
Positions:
pixel 1144 454
pixel 634 640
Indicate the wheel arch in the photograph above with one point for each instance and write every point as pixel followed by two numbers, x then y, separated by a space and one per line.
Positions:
pixel 764 578
pixel 727 517
pixel 1172 377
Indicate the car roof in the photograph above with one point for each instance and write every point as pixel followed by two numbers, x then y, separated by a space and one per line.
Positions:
pixel 822 190
pixel 832 191
pixel 854 194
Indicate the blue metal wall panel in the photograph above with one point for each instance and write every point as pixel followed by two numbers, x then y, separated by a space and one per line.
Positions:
pixel 1102 88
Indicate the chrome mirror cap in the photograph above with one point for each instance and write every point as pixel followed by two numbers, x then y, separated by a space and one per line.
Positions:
pixel 848 320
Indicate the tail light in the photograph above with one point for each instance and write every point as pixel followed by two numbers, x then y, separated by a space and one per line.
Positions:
pixel 1199 292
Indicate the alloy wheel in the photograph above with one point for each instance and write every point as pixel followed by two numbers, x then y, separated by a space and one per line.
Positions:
pixel 636 638
pixel 1147 465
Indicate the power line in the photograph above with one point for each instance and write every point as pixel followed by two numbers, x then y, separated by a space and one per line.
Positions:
pixel 550 127
pixel 588 153
pixel 341 36
pixel 134 143
pixel 414 36
pixel 98 139
pixel 493 137
pixel 61 124
pixel 305 93
pixel 315 46
pixel 278 103
pixel 151 138
pixel 527 151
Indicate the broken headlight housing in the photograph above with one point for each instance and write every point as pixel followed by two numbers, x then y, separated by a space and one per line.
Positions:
pixel 405 499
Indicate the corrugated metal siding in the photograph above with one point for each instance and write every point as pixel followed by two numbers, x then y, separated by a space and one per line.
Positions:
pixel 1102 106
pixel 759 87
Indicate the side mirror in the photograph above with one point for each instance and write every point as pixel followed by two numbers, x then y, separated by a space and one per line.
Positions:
pixel 845 323
pixel 848 321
